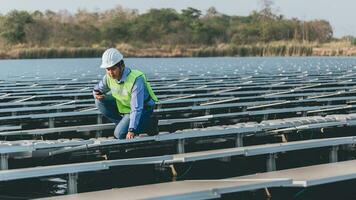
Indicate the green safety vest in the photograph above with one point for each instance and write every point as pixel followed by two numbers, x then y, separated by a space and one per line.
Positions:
pixel 122 92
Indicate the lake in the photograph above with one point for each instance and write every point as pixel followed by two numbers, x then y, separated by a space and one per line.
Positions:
pixel 163 67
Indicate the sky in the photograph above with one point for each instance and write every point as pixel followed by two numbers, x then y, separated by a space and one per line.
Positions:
pixel 340 13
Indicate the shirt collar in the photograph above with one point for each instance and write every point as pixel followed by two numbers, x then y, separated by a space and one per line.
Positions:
pixel 125 74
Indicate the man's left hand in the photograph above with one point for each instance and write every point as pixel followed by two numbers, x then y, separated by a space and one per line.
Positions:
pixel 130 135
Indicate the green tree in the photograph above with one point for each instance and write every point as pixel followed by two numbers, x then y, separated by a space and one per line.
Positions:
pixel 155 25
pixel 319 30
pixel 116 24
pixel 215 26
pixel 13 26
pixel 38 32
pixel 190 14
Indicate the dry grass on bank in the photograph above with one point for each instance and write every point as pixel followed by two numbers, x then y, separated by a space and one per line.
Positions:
pixel 280 48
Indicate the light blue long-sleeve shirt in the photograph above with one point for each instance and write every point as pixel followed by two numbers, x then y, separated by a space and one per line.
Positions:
pixel 139 94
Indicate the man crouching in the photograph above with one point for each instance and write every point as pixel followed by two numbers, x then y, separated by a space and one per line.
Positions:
pixel 125 97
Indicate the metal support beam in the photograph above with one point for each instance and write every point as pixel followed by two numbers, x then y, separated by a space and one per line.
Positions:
pixel 265 117
pixel 207 112
pixel 268 193
pixel 271 162
pixel 72 183
pixel 180 146
pixel 99 120
pixel 98 134
pixel 160 167
pixel 51 122
pixel 225 159
pixel 238 143
pixel 333 155
pixel 239 140
pixel 174 172
pixel 304 113
pixel 197 125
pixel 4 161
pixel 283 138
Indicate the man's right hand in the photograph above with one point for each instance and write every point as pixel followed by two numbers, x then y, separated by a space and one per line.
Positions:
pixel 99 95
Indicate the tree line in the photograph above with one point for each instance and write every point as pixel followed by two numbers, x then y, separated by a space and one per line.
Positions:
pixel 157 27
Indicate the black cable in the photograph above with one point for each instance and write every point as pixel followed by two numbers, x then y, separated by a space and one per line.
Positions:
pixel 296 196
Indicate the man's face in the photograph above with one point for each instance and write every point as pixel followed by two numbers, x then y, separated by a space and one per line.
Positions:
pixel 115 72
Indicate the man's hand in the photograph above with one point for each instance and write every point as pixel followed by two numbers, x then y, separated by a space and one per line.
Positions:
pixel 99 95
pixel 130 135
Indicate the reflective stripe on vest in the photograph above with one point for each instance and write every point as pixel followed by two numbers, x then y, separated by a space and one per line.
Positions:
pixel 122 92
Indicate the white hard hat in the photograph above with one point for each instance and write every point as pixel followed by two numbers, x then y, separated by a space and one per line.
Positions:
pixel 110 57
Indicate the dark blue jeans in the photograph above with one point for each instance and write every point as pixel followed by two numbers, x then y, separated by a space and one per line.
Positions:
pixel 108 108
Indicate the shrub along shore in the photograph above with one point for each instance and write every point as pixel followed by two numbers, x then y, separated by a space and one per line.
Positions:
pixel 258 50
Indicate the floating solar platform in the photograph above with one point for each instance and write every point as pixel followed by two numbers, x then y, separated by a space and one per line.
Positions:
pixel 246 108
pixel 212 189
pixel 192 189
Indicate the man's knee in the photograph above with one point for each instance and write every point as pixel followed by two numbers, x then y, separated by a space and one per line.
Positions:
pixel 122 128
pixel 120 134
